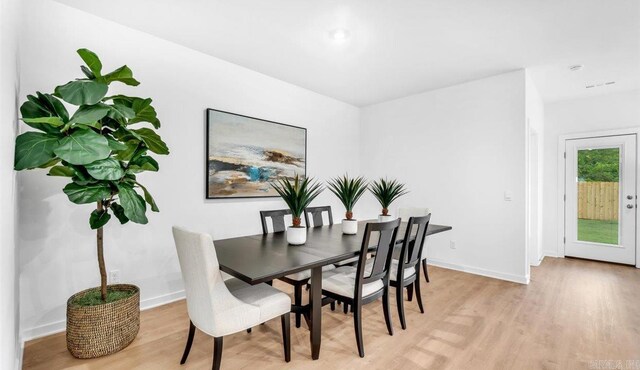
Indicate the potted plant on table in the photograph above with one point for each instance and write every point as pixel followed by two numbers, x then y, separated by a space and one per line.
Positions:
pixel 298 194
pixel 386 192
pixel 100 148
pixel 348 190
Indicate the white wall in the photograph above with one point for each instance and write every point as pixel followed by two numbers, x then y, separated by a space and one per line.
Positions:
pixel 535 170
pixel 458 149
pixel 57 247
pixel 10 350
pixel 604 112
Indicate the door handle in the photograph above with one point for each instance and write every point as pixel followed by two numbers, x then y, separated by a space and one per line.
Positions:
pixel 630 206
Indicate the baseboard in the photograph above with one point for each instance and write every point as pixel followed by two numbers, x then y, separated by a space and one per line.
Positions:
pixel 59 326
pixel 479 271
pixel 537 263
pixel 553 254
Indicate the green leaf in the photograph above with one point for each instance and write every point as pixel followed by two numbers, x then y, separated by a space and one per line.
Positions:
pixel 118 211
pixel 116 145
pixel 53 121
pixel 87 114
pixel 105 169
pixel 82 92
pixel 83 194
pixel 52 162
pixel 144 112
pixel 148 198
pixel 49 125
pixel 92 61
pixel 83 147
pixel 133 204
pixel 33 149
pixel 99 218
pixel 44 105
pixel 53 105
pixel 122 74
pixel 122 111
pixel 31 109
pixel 63 171
pixel 143 163
pixel 87 72
pixel 152 140
pixel 81 176
pixel 127 154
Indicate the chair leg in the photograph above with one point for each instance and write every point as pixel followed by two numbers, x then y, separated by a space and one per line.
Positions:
pixel 286 335
pixel 345 308
pixel 217 353
pixel 424 268
pixel 357 324
pixel 400 304
pixel 418 295
pixel 410 293
pixel 297 297
pixel 192 332
pixel 249 330
pixel 333 306
pixel 385 309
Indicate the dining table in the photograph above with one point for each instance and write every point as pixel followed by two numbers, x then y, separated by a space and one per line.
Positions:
pixel 261 258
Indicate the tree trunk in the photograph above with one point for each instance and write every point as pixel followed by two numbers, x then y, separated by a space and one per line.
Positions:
pixel 385 212
pixel 296 221
pixel 103 269
pixel 349 215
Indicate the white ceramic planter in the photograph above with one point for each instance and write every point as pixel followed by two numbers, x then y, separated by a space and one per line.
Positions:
pixel 349 227
pixel 296 235
pixel 386 218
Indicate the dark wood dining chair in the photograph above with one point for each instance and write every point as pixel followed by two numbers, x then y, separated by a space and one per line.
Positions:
pixel 316 215
pixel 405 271
pixel 406 212
pixel 299 279
pixel 366 282
pixel 277 220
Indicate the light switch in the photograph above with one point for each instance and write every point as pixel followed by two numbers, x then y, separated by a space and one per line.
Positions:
pixel 508 196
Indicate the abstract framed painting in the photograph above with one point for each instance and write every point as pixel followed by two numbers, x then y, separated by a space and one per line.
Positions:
pixel 245 154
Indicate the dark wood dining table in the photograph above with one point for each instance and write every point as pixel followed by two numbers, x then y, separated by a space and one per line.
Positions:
pixel 256 259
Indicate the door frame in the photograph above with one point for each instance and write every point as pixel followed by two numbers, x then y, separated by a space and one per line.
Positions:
pixel 562 176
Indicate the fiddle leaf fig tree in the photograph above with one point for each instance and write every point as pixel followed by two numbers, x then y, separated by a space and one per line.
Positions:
pixel 101 147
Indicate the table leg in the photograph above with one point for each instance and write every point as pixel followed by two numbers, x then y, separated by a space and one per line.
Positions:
pixel 315 301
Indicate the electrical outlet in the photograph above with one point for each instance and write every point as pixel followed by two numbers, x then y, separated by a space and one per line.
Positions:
pixel 452 244
pixel 114 276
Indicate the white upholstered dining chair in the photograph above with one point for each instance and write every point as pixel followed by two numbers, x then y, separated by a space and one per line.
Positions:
pixel 218 307
pixel 405 213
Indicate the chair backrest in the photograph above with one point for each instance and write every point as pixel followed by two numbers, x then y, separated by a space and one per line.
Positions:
pixel 413 243
pixel 387 234
pixel 316 215
pixel 406 212
pixel 277 220
pixel 207 293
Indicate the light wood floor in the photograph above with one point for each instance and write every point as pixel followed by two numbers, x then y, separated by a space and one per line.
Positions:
pixel 573 312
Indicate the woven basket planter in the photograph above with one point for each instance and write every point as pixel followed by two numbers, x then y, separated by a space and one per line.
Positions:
pixel 94 331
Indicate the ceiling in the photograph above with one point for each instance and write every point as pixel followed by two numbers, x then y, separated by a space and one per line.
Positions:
pixel 399 48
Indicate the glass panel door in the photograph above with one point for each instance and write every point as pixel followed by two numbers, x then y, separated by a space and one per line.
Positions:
pixel 600 198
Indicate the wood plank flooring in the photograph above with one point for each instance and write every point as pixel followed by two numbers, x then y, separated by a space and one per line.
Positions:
pixel 573 312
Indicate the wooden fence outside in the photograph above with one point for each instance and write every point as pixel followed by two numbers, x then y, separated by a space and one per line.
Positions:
pixel 598 200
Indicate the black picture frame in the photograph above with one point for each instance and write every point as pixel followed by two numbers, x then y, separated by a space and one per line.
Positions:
pixel 207 154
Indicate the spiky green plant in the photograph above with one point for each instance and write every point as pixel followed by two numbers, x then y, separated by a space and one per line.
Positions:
pixel 298 194
pixel 348 190
pixel 386 192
